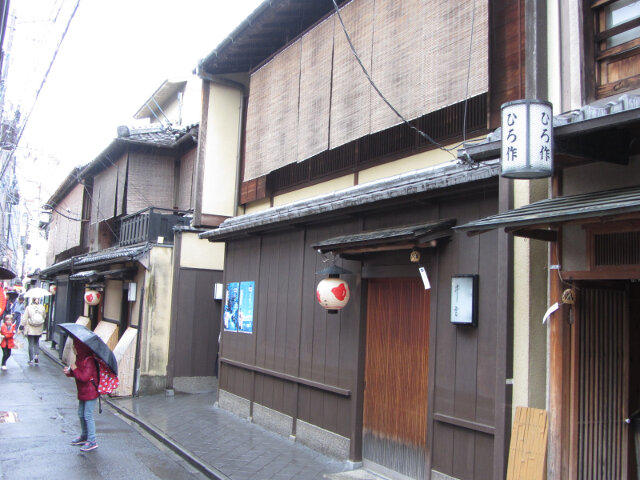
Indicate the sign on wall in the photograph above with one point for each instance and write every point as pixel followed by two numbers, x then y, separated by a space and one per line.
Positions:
pixel 238 307
pixel 464 299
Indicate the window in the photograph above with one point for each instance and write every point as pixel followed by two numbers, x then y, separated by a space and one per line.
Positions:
pixel 616 46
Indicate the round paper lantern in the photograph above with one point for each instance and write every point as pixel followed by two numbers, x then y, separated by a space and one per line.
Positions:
pixel 92 297
pixel 52 289
pixel 333 293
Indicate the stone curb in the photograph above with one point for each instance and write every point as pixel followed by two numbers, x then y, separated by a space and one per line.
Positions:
pixel 207 470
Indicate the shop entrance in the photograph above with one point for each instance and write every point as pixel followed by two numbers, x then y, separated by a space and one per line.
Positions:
pixel 396 374
pixel 607 380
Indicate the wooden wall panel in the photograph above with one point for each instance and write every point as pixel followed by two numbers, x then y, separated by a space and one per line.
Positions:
pixel 197 322
pixel 506 54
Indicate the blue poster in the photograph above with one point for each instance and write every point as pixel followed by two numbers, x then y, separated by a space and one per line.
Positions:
pixel 245 317
pixel 230 315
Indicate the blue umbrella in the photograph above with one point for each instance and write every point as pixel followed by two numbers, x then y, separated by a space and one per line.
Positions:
pixel 93 341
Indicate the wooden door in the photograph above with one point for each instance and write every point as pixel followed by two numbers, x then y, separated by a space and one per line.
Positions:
pixel 602 384
pixel 396 370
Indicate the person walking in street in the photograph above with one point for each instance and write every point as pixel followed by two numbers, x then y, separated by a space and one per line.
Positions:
pixel 33 325
pixel 7 331
pixel 18 311
pixel 85 372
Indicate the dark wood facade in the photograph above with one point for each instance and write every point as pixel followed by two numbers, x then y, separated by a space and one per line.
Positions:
pixel 309 365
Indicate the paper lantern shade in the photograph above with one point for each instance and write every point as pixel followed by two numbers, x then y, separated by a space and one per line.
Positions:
pixel 333 293
pixel 91 297
pixel 52 289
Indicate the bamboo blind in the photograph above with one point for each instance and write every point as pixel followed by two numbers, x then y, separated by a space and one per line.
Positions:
pixel 272 143
pixel 104 195
pixel 603 385
pixel 417 52
pixel 121 165
pixel 351 92
pixel 396 370
pixel 150 182
pixel 315 90
pixel 396 61
pixel 65 233
pixel 185 189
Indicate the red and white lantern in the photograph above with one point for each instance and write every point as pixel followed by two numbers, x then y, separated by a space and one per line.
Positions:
pixel 52 289
pixel 333 293
pixel 92 297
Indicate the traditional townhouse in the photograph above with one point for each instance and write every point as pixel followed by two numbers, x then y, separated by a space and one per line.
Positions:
pixel 124 258
pixel 589 233
pixel 352 117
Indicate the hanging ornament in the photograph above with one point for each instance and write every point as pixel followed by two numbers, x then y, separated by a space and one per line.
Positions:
pixel 92 297
pixel 333 293
pixel 52 289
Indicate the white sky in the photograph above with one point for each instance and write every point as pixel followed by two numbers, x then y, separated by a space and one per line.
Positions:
pixel 115 54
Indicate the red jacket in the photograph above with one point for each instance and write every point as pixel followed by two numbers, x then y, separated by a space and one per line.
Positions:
pixel 8 333
pixel 86 374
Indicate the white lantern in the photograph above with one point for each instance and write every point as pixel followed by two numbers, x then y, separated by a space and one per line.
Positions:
pixel 52 289
pixel 527 139
pixel 92 297
pixel 333 293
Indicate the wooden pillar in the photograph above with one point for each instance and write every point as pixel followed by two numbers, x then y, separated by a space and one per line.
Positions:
pixel 559 361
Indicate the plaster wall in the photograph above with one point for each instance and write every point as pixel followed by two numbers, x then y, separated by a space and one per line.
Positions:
pixel 593 177
pixel 529 304
pixel 154 348
pixel 220 173
pixel 600 176
pixel 135 310
pixel 198 253
pixel 407 164
pixel 113 300
pixel 314 190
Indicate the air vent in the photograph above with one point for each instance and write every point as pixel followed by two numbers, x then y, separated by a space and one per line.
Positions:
pixel 616 249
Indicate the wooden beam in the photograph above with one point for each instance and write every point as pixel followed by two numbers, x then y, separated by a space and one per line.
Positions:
pixel 536 234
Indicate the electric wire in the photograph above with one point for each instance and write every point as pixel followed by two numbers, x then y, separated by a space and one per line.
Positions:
pixel 42 83
pixel 388 103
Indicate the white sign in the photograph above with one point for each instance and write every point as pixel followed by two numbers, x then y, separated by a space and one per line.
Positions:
pixel 527 139
pixel 464 299
pixel 425 279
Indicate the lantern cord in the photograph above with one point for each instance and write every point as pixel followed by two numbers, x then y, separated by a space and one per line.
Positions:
pixel 424 135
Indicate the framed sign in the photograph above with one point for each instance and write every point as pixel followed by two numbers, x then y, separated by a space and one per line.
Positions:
pixel 464 300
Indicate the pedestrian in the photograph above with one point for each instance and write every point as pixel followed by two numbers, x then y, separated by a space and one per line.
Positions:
pixel 33 325
pixel 18 311
pixel 7 331
pixel 85 372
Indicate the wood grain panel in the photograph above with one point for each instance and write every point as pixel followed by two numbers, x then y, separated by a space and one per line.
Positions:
pixel 396 372
pixel 603 384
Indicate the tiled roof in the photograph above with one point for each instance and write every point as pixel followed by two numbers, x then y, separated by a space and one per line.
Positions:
pixel 97 258
pixel 561 209
pixel 156 136
pixel 386 189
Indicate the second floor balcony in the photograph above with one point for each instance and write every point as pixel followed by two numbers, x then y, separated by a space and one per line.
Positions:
pixel 151 225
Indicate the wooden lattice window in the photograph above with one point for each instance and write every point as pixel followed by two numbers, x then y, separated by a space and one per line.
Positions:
pixel 615 247
pixel 616 45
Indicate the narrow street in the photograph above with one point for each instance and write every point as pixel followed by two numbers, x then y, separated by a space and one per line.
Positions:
pixel 37 445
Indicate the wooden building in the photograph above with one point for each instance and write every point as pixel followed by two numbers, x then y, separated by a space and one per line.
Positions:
pixel 330 174
pixel 589 228
pixel 118 226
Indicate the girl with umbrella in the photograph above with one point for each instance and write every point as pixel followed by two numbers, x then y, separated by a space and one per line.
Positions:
pixel 85 372
pixel 7 331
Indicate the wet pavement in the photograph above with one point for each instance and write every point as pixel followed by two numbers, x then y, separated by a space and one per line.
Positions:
pixel 43 404
pixel 220 444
